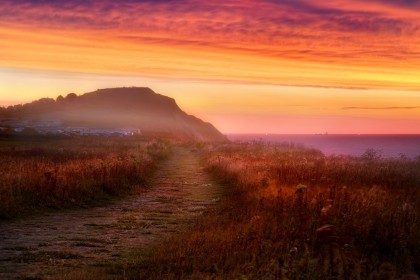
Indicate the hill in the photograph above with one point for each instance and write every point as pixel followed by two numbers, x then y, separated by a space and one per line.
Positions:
pixel 134 107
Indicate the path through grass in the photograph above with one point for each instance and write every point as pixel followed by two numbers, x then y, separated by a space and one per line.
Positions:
pixel 55 245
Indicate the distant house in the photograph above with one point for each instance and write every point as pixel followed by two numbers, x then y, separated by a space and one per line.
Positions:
pixel 45 127
pixel 103 131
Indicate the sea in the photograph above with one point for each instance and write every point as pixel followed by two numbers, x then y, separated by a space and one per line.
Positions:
pixel 338 144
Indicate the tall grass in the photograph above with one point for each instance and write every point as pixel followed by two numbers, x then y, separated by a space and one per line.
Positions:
pixel 77 171
pixel 293 213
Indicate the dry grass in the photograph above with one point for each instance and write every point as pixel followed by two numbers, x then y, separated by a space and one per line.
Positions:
pixel 292 213
pixel 73 172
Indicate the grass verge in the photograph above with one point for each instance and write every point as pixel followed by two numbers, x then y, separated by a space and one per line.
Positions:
pixel 79 171
pixel 292 213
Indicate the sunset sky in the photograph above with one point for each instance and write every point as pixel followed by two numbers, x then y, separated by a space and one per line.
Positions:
pixel 265 66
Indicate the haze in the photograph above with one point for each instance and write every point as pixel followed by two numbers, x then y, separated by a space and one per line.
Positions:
pixel 265 66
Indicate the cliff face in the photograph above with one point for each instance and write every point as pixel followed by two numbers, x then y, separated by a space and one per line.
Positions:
pixel 134 107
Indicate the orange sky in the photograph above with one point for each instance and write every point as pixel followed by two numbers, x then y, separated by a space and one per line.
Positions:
pixel 268 66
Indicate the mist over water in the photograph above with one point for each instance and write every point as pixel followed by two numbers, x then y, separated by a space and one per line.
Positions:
pixel 354 145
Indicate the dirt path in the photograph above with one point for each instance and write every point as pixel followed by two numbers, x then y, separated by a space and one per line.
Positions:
pixel 40 247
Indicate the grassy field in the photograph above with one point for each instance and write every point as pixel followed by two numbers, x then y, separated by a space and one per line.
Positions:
pixel 56 173
pixel 293 213
pixel 289 212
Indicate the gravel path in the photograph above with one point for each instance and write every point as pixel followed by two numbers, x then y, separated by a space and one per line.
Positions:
pixel 44 246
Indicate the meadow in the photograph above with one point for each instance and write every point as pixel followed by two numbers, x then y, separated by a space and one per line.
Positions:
pixel 288 212
pixel 55 173
pixel 292 213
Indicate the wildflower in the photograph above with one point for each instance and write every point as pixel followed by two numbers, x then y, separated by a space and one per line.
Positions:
pixel 325 211
pixel 293 250
pixel 327 233
pixel 301 188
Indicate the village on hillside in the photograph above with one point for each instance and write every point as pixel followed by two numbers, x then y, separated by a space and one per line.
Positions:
pixel 48 127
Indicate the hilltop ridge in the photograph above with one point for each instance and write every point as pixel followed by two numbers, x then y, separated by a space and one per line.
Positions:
pixel 133 107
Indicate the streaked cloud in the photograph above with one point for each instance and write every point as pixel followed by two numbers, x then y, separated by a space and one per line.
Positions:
pixel 314 46
pixel 382 108
pixel 303 25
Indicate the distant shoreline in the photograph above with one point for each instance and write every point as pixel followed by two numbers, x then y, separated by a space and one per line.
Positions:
pixel 387 145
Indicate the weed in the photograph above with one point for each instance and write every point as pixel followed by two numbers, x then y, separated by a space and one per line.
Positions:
pixel 293 213
pixel 73 172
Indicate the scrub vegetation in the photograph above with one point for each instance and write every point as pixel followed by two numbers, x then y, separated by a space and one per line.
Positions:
pixel 293 213
pixel 287 212
pixel 78 171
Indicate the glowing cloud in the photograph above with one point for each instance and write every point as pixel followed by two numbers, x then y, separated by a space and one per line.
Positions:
pixel 276 42
pixel 309 44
